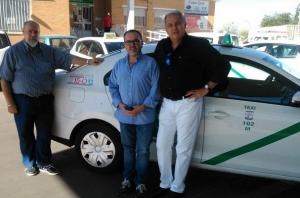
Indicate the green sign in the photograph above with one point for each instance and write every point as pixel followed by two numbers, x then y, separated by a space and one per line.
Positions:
pixel 82 1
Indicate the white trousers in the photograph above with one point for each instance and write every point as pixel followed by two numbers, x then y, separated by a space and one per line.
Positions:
pixel 183 117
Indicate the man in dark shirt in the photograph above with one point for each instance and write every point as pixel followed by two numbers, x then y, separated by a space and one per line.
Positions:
pixel 188 71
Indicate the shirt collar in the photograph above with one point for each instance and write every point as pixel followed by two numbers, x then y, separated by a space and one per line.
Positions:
pixel 138 58
pixel 29 49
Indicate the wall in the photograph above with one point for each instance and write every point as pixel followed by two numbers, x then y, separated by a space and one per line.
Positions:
pixel 52 15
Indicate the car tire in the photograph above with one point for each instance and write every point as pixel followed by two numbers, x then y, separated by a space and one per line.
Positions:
pixel 99 147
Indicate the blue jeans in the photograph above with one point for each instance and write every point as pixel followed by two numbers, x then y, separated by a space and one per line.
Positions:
pixel 136 141
pixel 39 112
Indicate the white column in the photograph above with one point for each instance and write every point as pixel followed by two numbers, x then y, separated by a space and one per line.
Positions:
pixel 130 19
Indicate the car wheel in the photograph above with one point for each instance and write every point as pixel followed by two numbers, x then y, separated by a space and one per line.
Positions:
pixel 99 147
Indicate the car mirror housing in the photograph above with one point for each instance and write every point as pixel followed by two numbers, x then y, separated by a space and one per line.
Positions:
pixel 99 55
pixel 296 99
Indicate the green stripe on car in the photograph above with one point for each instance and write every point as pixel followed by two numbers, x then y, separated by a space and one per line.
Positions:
pixel 237 73
pixel 255 145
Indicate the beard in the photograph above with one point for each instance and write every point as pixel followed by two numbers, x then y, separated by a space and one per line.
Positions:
pixel 32 43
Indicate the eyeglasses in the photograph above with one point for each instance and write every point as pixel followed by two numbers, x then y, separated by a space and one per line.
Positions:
pixel 133 42
pixel 168 59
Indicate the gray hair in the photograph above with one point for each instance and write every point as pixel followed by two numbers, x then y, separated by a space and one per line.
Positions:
pixel 30 22
pixel 176 13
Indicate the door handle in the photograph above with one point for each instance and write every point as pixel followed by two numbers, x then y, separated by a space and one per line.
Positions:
pixel 218 114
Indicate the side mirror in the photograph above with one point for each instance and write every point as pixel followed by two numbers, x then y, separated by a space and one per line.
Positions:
pixel 99 55
pixel 296 99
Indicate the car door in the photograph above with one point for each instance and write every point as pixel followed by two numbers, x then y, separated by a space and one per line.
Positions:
pixel 252 126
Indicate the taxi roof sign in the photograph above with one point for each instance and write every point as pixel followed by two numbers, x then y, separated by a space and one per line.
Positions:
pixel 109 35
pixel 227 41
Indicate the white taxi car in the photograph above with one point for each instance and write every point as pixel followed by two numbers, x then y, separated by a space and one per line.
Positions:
pixel 88 47
pixel 252 127
pixel 287 52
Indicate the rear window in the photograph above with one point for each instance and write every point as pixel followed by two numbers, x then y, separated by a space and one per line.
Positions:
pixel 283 51
pixel 4 42
pixel 63 43
pixel 114 46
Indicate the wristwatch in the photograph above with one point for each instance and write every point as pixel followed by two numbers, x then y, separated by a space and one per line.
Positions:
pixel 207 87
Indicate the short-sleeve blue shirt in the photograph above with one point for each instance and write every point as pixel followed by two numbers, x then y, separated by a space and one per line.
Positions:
pixel 31 71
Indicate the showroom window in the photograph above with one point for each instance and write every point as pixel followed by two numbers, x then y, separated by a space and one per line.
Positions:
pixel 139 16
pixel 159 18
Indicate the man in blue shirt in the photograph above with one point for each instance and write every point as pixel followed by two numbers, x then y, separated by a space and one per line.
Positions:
pixel 27 76
pixel 134 89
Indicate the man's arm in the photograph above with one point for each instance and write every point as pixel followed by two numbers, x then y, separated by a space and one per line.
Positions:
pixel 197 93
pixel 64 60
pixel 78 62
pixel 6 89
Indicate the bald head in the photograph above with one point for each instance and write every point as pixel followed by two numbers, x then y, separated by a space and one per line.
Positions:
pixel 30 23
pixel 31 32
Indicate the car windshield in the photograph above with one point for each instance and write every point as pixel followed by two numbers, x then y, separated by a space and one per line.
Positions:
pixel 63 43
pixel 4 42
pixel 113 46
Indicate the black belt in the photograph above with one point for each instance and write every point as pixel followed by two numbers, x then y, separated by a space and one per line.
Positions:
pixel 174 98
pixel 37 97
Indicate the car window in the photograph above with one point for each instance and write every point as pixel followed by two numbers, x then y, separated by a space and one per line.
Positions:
pixel 83 47
pixel 42 40
pixel 259 47
pixel 253 82
pixel 4 42
pixel 62 43
pixel 95 49
pixel 235 40
pixel 113 46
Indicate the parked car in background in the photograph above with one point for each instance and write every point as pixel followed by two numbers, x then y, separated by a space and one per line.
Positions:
pixel 216 38
pixel 286 51
pixel 88 47
pixel 251 127
pixel 59 41
pixel 4 45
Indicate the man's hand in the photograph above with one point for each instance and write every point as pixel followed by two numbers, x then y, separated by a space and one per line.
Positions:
pixel 125 111
pixel 95 61
pixel 12 109
pixel 136 109
pixel 197 93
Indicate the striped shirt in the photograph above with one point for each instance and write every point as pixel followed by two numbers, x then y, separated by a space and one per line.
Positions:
pixel 31 71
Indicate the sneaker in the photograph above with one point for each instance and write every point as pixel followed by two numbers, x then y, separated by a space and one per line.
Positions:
pixel 49 169
pixel 126 187
pixel 140 191
pixel 32 171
